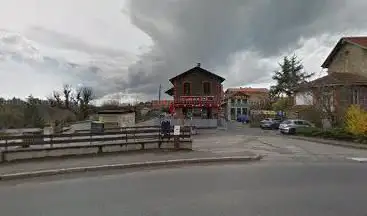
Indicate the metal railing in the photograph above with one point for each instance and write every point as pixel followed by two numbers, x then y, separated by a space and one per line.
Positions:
pixel 126 136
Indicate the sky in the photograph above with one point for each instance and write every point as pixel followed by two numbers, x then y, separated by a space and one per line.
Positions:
pixel 125 49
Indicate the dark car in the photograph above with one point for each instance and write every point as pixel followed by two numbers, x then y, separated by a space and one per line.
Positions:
pixel 270 123
pixel 243 119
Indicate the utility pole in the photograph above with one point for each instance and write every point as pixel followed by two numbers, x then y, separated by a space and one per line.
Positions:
pixel 159 93
pixel 159 103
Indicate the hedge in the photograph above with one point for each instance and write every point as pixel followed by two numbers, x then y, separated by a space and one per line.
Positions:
pixel 335 133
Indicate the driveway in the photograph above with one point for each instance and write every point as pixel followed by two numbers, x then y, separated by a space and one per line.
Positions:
pixel 239 139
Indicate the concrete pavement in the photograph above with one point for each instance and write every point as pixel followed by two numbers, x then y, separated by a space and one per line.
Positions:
pixel 274 146
pixel 263 188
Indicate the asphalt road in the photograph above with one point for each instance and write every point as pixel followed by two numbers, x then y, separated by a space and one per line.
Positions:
pixel 295 178
pixel 239 139
pixel 252 189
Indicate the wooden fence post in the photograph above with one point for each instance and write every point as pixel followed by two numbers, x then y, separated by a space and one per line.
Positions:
pixel 126 135
pixel 4 152
pixel 159 137
pixel 134 134
pixel 51 140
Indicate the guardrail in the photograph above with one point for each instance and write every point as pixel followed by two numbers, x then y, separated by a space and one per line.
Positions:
pixel 86 142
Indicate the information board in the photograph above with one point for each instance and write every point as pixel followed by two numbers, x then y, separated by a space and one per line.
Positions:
pixel 176 130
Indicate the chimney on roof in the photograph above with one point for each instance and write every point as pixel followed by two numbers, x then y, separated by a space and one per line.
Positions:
pixel 198 65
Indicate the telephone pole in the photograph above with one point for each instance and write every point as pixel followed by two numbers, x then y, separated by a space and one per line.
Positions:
pixel 159 104
pixel 159 93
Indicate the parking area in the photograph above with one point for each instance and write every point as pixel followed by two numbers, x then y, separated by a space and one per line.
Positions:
pixel 241 139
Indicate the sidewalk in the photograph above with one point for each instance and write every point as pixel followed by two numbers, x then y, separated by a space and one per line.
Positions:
pixel 332 142
pixel 122 158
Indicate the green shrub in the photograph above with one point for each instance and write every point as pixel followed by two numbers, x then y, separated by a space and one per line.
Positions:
pixel 338 133
pixel 361 139
pixel 335 133
pixel 309 131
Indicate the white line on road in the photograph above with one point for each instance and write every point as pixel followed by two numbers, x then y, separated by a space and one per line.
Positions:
pixel 358 159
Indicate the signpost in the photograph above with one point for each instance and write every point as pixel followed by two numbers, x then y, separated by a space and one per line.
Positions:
pixel 176 130
pixel 176 134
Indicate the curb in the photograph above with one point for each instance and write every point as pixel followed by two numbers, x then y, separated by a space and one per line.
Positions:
pixel 42 173
pixel 332 142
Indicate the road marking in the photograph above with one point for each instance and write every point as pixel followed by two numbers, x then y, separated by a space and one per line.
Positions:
pixel 358 159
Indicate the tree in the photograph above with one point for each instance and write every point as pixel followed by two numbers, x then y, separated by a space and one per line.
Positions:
pixel 32 116
pixel 289 77
pixel 282 104
pixel 356 120
pixel 67 95
pixel 332 102
pixel 84 96
pixel 111 104
pixel 57 99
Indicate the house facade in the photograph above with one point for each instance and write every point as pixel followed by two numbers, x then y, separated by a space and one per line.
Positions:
pixel 197 93
pixel 239 101
pixel 346 79
pixel 344 84
pixel 236 104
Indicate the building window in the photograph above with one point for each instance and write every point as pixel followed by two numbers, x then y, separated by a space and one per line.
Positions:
pixel 232 101
pixel 244 101
pixel 206 88
pixel 187 89
pixel 238 112
pixel 233 113
pixel 355 96
pixel 244 111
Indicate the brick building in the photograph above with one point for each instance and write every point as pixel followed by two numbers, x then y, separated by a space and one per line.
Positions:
pixel 197 93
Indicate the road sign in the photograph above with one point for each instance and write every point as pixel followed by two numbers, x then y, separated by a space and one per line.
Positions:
pixel 176 130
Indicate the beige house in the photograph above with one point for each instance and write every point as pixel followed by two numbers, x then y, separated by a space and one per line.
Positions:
pixel 346 81
pixel 117 118
pixel 348 56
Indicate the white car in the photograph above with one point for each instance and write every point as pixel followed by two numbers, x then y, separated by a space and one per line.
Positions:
pixel 290 126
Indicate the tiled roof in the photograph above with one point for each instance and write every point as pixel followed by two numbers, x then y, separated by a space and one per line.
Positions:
pixel 361 41
pixel 337 78
pixel 233 93
pixel 199 70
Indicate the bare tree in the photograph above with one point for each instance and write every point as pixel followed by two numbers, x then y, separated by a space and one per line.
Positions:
pixel 329 101
pixel 58 99
pixel 67 95
pixel 84 96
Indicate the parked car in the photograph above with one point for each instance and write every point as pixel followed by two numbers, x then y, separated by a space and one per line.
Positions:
pixel 270 123
pixel 243 119
pixel 290 126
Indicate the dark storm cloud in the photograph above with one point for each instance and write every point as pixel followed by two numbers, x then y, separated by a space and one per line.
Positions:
pixel 209 31
pixel 65 41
